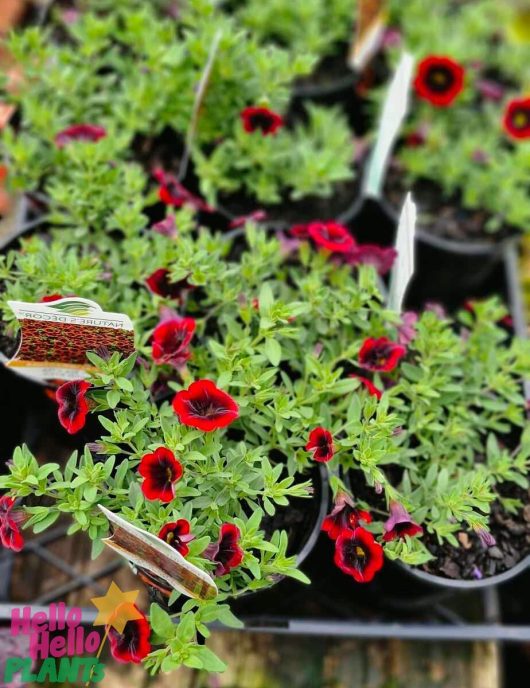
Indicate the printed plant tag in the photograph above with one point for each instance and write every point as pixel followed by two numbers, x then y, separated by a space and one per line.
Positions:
pixel 394 111
pixel 369 29
pixel 55 337
pixel 404 266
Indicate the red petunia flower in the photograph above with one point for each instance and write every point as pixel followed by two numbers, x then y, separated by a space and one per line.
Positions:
pixel 159 283
pixel 160 471
pixel 170 340
pixel 357 554
pixel 166 227
pixel 204 406
pixel 226 552
pixel 344 516
pixel 51 297
pixel 172 192
pixel 332 236
pixel 381 257
pixel 439 80
pixel 262 119
pixel 400 524
pixel 132 644
pixel 177 535
pixel 380 354
pixel 321 444
pixel 299 231
pixel 73 405
pixel 516 119
pixel 80 132
pixel 10 519
pixel 372 389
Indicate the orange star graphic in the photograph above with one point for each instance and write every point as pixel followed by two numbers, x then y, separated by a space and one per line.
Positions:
pixel 116 608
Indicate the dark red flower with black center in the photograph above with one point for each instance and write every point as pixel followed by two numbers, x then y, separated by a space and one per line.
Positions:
pixel 380 354
pixel 321 444
pixel 516 118
pixel 80 132
pixel 132 644
pixel 177 534
pixel 299 231
pixel 344 516
pixel 159 283
pixel 357 554
pixel 439 79
pixel 226 552
pixel 170 340
pixel 400 524
pixel 51 297
pixel 204 406
pixel 160 471
pixel 10 520
pixel 261 119
pixel 372 389
pixel 381 257
pixel 73 405
pixel 173 193
pixel 332 236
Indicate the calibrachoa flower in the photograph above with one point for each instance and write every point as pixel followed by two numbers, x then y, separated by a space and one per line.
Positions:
pixel 344 516
pixel 166 227
pixel 172 192
pixel 254 216
pixel 490 90
pixel 516 119
pixel 485 537
pixel 400 524
pixel 80 132
pixel 160 471
pixel 170 340
pixel 10 535
pixel 132 645
pixel 226 552
pixel 204 406
pixel 73 405
pixel 177 534
pixel 439 80
pixel 372 389
pixel 380 354
pixel 321 444
pixel 358 555
pixel 159 283
pixel 51 297
pixel 299 231
pixel 332 236
pixel 407 329
pixel 381 257
pixel 261 118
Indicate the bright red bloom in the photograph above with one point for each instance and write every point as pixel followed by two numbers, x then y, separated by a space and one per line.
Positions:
pixel 400 524
pixel 262 119
pixel 10 535
pixel 160 471
pixel 357 554
pixel 321 444
pixel 73 405
pixel 51 297
pixel 372 389
pixel 516 118
pixel 170 340
pixel 299 231
pixel 439 80
pixel 80 132
pixel 332 236
pixel 344 516
pixel 159 283
pixel 381 257
pixel 380 354
pixel 177 535
pixel 226 552
pixel 204 406
pixel 132 645
pixel 172 192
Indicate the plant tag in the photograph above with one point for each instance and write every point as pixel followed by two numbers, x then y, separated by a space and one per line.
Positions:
pixel 370 26
pixel 56 336
pixel 153 556
pixel 394 111
pixel 404 266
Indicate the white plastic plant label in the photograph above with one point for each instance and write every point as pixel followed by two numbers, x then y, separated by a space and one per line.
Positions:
pixel 394 110
pixel 55 337
pixel 369 29
pixel 404 266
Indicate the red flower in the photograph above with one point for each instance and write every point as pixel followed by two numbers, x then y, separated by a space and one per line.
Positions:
pixel 372 389
pixel 262 119
pixel 80 132
pixel 332 236
pixel 380 354
pixel 170 339
pixel 400 524
pixel 439 80
pixel 381 257
pixel 166 227
pixel 516 119
pixel 226 552
pixel 160 471
pixel 358 555
pixel 177 535
pixel 321 444
pixel 51 297
pixel 132 645
pixel 10 535
pixel 73 405
pixel 172 192
pixel 205 406
pixel 299 231
pixel 345 516
pixel 159 283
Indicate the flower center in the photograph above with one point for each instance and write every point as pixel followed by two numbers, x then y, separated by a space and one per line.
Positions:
pixel 440 79
pixel 261 120
pixel 521 119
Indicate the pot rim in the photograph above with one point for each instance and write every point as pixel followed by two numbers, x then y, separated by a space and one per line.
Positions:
pixel 322 513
